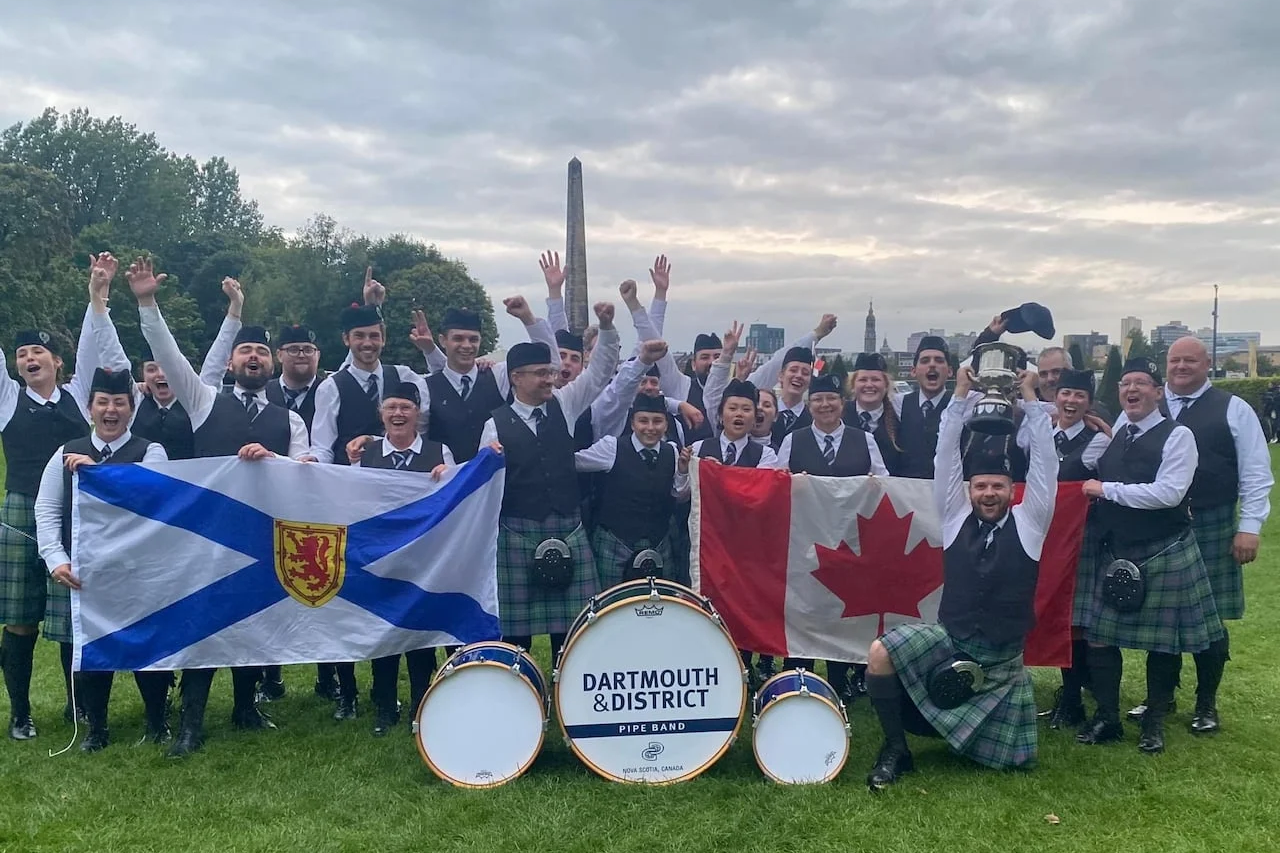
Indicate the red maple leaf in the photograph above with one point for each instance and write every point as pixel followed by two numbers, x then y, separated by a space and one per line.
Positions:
pixel 884 577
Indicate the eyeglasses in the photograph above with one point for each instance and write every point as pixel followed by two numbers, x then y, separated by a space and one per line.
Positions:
pixel 300 351
pixel 1138 383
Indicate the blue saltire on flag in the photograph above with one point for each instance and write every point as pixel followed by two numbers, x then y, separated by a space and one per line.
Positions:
pixel 219 562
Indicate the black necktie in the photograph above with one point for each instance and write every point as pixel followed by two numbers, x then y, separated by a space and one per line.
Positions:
pixel 731 454
pixel 1130 435
pixel 371 388
pixel 926 408
pixel 1186 404
pixel 650 456
pixel 1059 439
pixel 164 416
pixel 51 406
pixel 291 396
pixel 865 417
pixel 829 449
pixel 466 387
pixel 400 459
pixel 538 417
pixel 985 529
pixel 251 405
pixel 105 454
pixel 788 418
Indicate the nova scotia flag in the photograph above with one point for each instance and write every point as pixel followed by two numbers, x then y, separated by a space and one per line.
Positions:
pixel 218 562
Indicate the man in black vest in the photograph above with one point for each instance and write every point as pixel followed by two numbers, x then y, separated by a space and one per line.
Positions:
pixel 462 395
pixel 111 442
pixel 401 448
pixel 1080 440
pixel 921 411
pixel 1142 516
pixel 34 421
pixel 241 423
pixel 538 593
pixel 1234 468
pixel 991 561
pixel 295 387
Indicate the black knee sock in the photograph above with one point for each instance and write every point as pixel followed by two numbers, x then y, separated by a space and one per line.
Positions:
pixel 557 646
pixel 325 673
pixel 887 698
pixel 1210 664
pixel 65 652
pixel 746 658
pixel 386 674
pixel 153 687
pixel 244 686
pixel 421 665
pixel 798 663
pixel 1106 666
pixel 1162 677
pixel 93 693
pixel 1076 677
pixel 838 676
pixel 524 641
pixel 347 679
pixel 18 651
pixel 272 674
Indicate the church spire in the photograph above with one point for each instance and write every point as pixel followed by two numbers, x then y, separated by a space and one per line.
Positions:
pixel 869 336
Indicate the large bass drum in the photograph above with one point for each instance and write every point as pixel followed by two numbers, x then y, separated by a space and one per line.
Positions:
pixel 649 687
pixel 483 719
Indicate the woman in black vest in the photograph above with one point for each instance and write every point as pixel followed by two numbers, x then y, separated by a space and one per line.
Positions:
pixel 111 443
pixel 400 448
pixel 34 421
pixel 991 561
pixel 871 407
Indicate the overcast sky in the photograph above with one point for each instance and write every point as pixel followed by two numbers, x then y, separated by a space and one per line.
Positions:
pixel 946 158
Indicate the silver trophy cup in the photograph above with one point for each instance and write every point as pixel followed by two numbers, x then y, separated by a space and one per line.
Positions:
pixel 995 366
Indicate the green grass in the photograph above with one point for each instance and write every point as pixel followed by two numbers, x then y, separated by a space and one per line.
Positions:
pixel 317 785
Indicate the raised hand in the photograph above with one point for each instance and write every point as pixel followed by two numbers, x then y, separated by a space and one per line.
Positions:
pixel 483 363
pixel 729 341
pixel 997 325
pixel 589 336
pixel 651 352
pixel 661 276
pixel 374 293
pixel 745 365
pixel 628 291
pixel 964 381
pixel 552 274
pixel 518 307
pixel 102 271
pixel 682 465
pixel 825 326
pixel 142 278
pixel 420 335
pixel 692 415
pixel 235 296
pixel 604 313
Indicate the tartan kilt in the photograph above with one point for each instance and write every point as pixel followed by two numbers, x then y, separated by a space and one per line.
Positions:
pixel 1082 604
pixel 57 613
pixel 1178 614
pixel 524 608
pixel 1215 530
pixel 997 728
pixel 613 556
pixel 23 578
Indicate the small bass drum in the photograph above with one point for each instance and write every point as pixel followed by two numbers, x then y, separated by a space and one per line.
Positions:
pixel 801 730
pixel 483 719
pixel 649 687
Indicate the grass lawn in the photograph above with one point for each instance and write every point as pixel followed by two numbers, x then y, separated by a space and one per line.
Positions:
pixel 317 785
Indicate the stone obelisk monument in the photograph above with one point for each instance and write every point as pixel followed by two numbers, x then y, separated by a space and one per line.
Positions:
pixel 575 252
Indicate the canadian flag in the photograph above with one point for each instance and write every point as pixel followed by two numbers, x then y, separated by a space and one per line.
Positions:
pixel 818 567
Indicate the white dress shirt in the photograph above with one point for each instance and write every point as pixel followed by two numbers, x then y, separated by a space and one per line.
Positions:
pixel 195 396
pixel 415 449
pixel 1253 459
pixel 49 502
pixel 877 460
pixel 324 424
pixel 604 453
pixel 1093 450
pixel 950 495
pixel 1177 468
pixel 768 459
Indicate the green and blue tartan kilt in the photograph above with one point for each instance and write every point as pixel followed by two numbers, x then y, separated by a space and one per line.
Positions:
pixel 613 558
pixel 997 728
pixel 57 613
pixel 1177 615
pixel 1082 603
pixel 23 578
pixel 527 609
pixel 1215 530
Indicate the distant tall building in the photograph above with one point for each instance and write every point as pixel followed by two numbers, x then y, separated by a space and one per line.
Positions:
pixel 766 339
pixel 1229 342
pixel 1167 333
pixel 1129 325
pixel 869 337
pixel 960 344
pixel 575 253
pixel 885 349
pixel 1087 343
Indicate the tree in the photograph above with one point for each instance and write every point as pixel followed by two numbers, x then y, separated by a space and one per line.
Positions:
pixel 1109 387
pixel 433 286
pixel 1078 359
pixel 838 367
pixel 1139 347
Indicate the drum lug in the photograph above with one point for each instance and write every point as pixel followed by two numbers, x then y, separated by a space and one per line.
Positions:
pixel 555 676
pixel 413 727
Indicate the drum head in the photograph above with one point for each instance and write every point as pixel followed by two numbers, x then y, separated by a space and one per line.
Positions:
pixel 480 726
pixel 800 739
pixel 651 691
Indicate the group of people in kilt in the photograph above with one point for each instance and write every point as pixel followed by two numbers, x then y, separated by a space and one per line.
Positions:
pixel 597 451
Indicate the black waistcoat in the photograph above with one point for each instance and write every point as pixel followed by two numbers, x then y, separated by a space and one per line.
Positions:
pixel 458 423
pixel 307 411
pixel 228 428
pixel 989 593
pixel 131 451
pixel 780 432
pixel 748 458
pixel 357 414
pixel 852 459
pixel 1138 463
pixel 695 399
pixel 635 500
pixel 33 434
pixel 891 455
pixel 918 436
pixel 171 428
pixel 1217 474
pixel 1071 468
pixel 540 474
pixel 425 462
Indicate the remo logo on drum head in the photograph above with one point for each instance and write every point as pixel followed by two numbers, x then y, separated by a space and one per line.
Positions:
pixel 650 687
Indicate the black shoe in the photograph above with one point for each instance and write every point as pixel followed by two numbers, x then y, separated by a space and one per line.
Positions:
pixel 189 740
pixel 79 714
pixel 1152 740
pixel 1205 722
pixel 893 761
pixel 271 691
pixel 347 708
pixel 22 728
pixel 1067 716
pixel 385 720
pixel 157 734
pixel 1100 731
pixel 1137 712
pixel 96 740
pixel 765 670
pixel 328 689
pixel 251 719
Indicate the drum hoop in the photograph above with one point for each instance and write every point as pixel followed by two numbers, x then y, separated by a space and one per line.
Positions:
pixel 600 771
pixel 511 647
pixel 844 716
pixel 521 770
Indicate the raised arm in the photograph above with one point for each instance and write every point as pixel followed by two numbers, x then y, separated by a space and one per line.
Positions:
pixel 766 375
pixel 538 330
pixel 948 466
pixel 609 410
pixel 553 275
pixel 219 354
pixel 196 397
pixel 660 275
pixel 1041 494
pixel 719 374
pixel 579 394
